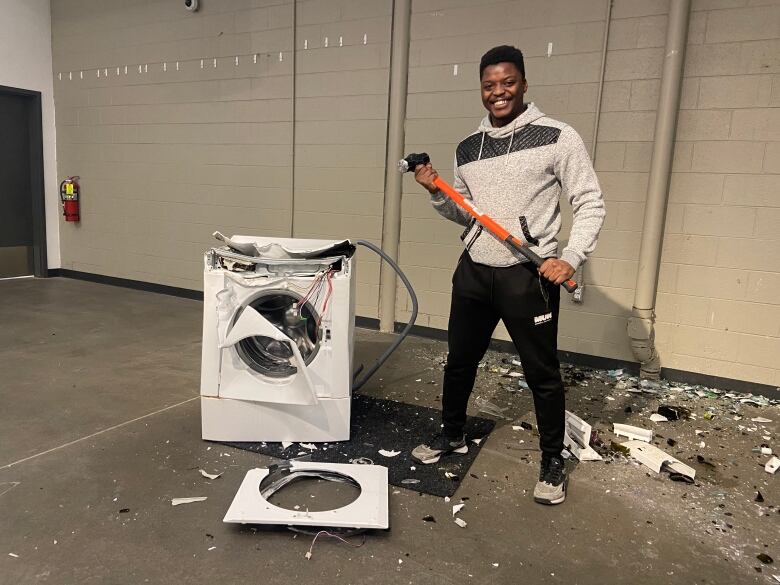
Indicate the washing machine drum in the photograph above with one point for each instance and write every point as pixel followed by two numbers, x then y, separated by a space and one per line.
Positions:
pixel 271 357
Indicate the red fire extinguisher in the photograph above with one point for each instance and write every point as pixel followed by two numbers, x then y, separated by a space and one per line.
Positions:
pixel 69 195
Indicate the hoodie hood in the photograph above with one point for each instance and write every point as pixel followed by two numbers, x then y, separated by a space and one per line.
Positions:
pixel 530 114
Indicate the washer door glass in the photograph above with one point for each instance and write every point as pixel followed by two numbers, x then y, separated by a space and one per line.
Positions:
pixel 271 357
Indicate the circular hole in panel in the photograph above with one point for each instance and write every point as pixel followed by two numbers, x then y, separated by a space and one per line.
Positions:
pixel 313 493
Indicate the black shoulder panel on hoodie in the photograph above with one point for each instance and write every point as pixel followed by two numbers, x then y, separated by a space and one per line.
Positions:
pixel 530 136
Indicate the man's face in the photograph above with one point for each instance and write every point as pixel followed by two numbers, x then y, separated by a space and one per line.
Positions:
pixel 503 87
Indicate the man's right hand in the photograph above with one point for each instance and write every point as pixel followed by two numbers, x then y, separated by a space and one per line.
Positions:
pixel 426 175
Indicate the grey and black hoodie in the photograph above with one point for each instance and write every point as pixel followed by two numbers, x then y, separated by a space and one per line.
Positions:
pixel 516 174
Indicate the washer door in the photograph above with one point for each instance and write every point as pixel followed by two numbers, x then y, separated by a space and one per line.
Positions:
pixel 270 357
pixel 268 354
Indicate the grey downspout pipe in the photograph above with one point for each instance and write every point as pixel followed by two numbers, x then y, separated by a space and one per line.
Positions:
pixel 641 329
pixel 396 117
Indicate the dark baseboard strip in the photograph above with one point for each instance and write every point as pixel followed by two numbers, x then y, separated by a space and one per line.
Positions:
pixel 570 357
pixel 164 289
pixel 602 363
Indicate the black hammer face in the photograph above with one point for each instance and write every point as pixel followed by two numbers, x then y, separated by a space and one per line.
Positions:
pixel 412 161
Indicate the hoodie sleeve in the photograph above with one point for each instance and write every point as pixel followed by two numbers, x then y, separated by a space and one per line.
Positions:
pixel 447 207
pixel 581 188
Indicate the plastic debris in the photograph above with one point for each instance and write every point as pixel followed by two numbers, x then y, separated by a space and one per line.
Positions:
pixel 488 407
pixel 655 417
pixel 285 445
pixel 457 508
pixel 410 481
pixel 772 465
pixel 309 446
pixel 451 476
pixel 461 522
pixel 634 433
pixel 577 437
pixel 477 441
pixel 209 475
pixel 386 453
pixel 761 419
pixel 14 555
pixel 656 459
pixel 674 412
pixel 766 450
pixel 178 501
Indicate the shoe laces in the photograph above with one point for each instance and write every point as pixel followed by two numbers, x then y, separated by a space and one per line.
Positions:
pixel 553 471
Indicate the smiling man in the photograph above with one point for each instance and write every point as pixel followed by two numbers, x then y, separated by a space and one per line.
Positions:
pixel 514 168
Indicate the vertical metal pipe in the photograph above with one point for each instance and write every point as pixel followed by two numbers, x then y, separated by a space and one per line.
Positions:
pixel 597 120
pixel 640 327
pixel 396 117
pixel 294 97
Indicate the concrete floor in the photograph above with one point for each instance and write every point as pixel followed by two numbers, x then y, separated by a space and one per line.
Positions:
pixel 99 414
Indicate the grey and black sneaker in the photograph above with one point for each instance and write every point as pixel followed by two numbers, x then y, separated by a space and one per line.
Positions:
pixel 551 487
pixel 433 450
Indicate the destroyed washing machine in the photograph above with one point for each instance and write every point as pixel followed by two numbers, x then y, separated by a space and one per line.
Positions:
pixel 278 334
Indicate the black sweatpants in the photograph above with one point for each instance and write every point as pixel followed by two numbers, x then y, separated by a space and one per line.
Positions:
pixel 528 305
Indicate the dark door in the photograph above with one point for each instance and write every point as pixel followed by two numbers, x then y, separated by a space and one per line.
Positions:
pixel 16 194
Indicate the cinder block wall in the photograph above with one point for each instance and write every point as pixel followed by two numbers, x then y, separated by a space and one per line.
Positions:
pixel 718 310
pixel 168 156
pixel 194 141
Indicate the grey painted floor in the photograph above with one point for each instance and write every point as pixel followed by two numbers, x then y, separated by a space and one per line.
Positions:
pixel 99 414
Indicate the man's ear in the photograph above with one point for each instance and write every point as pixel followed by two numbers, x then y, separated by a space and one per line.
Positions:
pixel 525 85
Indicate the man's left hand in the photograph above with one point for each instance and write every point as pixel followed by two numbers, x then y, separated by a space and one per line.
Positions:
pixel 556 270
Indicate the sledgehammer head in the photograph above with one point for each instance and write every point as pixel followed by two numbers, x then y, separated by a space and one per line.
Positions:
pixel 412 161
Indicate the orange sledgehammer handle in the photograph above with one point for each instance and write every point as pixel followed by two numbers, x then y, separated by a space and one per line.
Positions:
pixel 411 162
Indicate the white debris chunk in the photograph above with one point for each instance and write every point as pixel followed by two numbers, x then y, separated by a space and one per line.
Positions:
pixel 309 446
pixel 286 444
pixel 634 433
pixel 517 428
pixel 576 438
pixel 476 441
pixel 212 547
pixel 207 475
pixel 656 459
pixel 14 555
pixel 461 522
pixel 386 453
pixel 766 450
pixel 177 501
pixel 449 475
pixel 655 417
pixel 457 508
pixel 761 419
pixel 772 465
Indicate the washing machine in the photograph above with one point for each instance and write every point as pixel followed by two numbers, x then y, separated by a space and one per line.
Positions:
pixel 278 336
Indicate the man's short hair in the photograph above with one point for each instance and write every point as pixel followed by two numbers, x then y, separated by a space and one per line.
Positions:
pixel 502 54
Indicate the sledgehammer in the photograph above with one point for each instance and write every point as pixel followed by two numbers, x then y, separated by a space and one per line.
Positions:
pixel 412 161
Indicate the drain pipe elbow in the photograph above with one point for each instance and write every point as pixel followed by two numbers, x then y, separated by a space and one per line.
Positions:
pixel 641 333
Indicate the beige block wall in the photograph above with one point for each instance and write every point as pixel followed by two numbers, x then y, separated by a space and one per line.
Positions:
pixel 169 156
pixel 717 312
pixel 181 148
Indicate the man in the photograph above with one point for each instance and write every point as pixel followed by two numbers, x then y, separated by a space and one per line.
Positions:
pixel 515 168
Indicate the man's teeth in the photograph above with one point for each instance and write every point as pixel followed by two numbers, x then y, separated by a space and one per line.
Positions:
pixel 500 103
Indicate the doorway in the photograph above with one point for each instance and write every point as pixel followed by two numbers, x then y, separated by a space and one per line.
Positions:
pixel 22 219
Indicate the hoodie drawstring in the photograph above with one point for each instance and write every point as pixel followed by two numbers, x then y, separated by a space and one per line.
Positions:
pixel 481 144
pixel 511 139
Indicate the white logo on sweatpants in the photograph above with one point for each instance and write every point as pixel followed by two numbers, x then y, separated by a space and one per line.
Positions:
pixel 542 318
